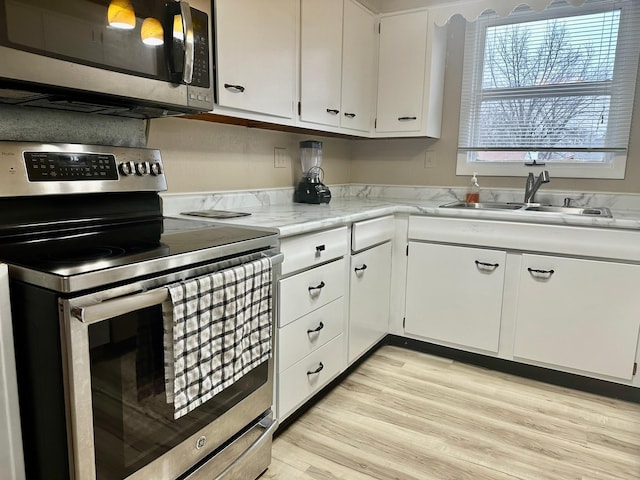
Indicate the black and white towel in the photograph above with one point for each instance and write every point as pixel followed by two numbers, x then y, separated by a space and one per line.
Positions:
pixel 216 329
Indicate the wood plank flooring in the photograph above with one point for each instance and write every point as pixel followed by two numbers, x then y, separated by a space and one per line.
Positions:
pixel 410 416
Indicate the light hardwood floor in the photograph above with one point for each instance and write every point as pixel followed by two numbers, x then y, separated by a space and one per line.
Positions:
pixel 410 416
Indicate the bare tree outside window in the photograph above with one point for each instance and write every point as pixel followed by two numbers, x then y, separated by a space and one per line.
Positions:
pixel 554 87
pixel 546 88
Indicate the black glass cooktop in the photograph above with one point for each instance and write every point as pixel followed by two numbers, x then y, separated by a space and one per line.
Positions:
pixel 127 250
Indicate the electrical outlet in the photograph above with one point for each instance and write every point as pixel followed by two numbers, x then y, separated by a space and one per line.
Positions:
pixel 280 157
pixel 429 159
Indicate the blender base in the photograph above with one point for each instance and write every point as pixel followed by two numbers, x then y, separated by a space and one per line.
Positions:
pixel 311 192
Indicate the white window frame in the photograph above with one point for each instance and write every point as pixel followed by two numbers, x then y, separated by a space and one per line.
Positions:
pixel 613 168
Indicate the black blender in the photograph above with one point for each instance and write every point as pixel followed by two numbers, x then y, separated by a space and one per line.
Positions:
pixel 311 189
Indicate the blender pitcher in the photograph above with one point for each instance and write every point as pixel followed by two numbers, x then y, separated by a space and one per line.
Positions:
pixel 311 189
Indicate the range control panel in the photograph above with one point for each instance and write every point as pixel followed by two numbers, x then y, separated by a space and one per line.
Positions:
pixel 46 167
pixel 30 168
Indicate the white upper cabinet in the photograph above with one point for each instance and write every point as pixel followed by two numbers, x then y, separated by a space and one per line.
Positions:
pixel 410 75
pixel 358 67
pixel 321 61
pixel 256 56
pixel 321 64
pixel 337 65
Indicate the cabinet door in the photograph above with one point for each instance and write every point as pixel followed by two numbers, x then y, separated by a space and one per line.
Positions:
pixel 369 298
pixel 580 314
pixel 358 67
pixel 256 55
pixel 401 72
pixel 321 61
pixel 454 294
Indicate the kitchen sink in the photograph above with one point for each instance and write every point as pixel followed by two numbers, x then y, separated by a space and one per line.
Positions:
pixel 485 206
pixel 536 208
pixel 597 211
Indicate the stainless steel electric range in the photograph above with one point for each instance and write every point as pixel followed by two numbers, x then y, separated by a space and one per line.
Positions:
pixel 90 260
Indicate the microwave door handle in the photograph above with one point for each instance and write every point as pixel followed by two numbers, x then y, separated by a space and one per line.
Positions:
pixel 189 48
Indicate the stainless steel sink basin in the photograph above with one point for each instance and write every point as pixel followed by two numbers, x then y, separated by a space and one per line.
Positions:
pixel 536 208
pixel 597 212
pixel 485 206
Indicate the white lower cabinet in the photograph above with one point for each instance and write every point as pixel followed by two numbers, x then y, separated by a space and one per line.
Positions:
pixel 369 295
pixel 310 332
pixel 310 342
pixel 454 294
pixel 579 314
pixel 304 378
pixel 561 308
pixel 311 289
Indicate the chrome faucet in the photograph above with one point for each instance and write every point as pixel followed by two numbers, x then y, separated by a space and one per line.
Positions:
pixel 532 185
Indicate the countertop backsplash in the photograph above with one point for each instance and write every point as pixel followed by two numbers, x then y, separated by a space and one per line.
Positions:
pixel 175 203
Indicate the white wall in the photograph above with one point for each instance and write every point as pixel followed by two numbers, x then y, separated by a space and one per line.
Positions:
pixel 402 161
pixel 205 156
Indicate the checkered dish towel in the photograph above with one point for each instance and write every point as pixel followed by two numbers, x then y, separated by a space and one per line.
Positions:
pixel 216 329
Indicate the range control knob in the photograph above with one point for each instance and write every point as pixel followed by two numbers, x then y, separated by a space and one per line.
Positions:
pixel 142 168
pixel 156 169
pixel 127 168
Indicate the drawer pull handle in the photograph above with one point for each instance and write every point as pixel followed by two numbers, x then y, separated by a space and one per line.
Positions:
pixel 404 119
pixel 350 115
pixel 333 111
pixel 317 370
pixel 320 286
pixel 320 248
pixel 316 330
pixel 538 273
pixel 486 266
pixel 360 269
pixel 237 88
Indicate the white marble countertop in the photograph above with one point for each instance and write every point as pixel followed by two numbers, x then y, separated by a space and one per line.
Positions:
pixel 289 218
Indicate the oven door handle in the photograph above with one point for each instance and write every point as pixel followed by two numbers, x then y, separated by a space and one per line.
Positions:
pixel 270 425
pixel 119 306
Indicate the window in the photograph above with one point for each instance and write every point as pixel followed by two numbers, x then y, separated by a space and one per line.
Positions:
pixel 553 88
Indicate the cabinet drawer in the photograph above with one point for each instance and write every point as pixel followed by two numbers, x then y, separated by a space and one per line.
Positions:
pixel 310 290
pixel 307 334
pixel 303 251
pixel 371 232
pixel 298 382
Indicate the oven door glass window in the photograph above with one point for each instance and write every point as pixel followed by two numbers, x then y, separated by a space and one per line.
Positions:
pixel 125 36
pixel 133 423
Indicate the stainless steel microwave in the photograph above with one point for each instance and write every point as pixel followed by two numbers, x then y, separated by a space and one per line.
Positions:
pixel 133 58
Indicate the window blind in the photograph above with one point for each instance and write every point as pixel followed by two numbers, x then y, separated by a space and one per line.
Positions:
pixel 550 87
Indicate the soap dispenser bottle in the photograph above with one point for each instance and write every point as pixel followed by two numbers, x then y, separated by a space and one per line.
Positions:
pixel 473 192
